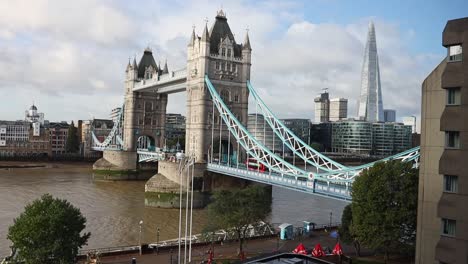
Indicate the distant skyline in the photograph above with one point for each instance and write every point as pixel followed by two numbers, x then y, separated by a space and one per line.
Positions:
pixel 70 57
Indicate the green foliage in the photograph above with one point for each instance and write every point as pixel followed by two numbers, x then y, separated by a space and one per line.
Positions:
pixel 317 146
pixel 172 143
pixel 237 209
pixel 48 231
pixel 73 143
pixel 384 207
pixel 346 221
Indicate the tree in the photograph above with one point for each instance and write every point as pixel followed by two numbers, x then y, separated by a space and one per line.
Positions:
pixel 384 207
pixel 346 229
pixel 317 146
pixel 237 209
pixel 48 231
pixel 73 144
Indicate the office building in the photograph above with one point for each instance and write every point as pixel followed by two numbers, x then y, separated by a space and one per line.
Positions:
pixel 300 127
pixel 442 231
pixel 389 115
pixel 370 101
pixel 370 139
pixel 175 126
pixel 338 109
pixel 322 134
pixel 322 108
pixel 18 139
pixel 354 137
pixel 262 132
pixel 410 121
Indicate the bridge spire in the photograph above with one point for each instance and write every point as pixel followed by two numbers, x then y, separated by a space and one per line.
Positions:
pixel 192 38
pixel 135 66
pixel 129 66
pixel 165 70
pixel 246 44
pixel 205 35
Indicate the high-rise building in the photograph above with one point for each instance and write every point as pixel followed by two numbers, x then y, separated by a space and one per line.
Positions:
pixel 338 109
pixel 389 115
pixel 442 231
pixel 410 121
pixel 322 108
pixel 370 101
pixel 175 126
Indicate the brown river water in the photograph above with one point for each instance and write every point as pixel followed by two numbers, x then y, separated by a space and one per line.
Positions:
pixel 114 209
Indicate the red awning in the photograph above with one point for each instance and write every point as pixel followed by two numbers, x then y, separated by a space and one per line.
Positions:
pixel 300 249
pixel 318 251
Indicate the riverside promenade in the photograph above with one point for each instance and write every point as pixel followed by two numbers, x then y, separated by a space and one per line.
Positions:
pixel 228 250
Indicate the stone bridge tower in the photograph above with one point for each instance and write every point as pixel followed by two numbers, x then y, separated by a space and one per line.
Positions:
pixel 227 63
pixel 145 112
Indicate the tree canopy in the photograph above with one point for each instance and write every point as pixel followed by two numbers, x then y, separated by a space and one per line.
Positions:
pixel 237 209
pixel 48 231
pixel 384 207
pixel 73 143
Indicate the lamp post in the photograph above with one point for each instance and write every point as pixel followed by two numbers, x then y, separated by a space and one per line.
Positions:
pixel 139 236
pixel 157 241
pixel 331 213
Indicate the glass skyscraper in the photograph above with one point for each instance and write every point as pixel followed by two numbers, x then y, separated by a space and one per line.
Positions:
pixel 370 100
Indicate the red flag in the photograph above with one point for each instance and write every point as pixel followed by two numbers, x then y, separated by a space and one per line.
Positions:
pixel 318 251
pixel 300 249
pixel 337 250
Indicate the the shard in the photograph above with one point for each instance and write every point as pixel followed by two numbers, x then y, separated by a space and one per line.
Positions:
pixel 370 100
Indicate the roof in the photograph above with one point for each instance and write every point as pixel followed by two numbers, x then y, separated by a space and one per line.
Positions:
pixel 33 107
pixel 284 225
pixel 219 30
pixel 146 60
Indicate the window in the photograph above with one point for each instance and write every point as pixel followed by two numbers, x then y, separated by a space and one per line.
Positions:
pixel 223 52
pixel 448 227
pixel 236 98
pixel 225 66
pixel 218 67
pixel 229 52
pixel 450 183
pixel 453 96
pixel 455 53
pixel 452 139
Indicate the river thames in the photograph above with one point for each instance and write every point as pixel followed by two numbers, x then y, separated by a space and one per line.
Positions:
pixel 114 209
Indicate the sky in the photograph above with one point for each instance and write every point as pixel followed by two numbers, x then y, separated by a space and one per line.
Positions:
pixel 69 57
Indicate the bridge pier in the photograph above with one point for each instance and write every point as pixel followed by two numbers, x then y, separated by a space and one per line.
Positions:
pixel 163 189
pixel 120 165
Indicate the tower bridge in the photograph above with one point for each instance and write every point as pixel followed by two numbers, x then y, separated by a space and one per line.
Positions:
pixel 217 84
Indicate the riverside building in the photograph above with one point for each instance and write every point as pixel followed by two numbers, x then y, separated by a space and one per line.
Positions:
pixel 442 231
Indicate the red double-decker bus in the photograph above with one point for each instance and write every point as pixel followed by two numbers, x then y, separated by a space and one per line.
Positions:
pixel 253 164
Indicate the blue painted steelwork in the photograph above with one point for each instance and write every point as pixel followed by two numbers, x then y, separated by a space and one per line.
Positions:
pixel 113 141
pixel 293 142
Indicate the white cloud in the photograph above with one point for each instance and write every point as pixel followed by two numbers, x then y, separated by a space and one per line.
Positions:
pixel 76 53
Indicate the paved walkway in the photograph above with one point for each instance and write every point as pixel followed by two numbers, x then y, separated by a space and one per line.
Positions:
pixel 229 250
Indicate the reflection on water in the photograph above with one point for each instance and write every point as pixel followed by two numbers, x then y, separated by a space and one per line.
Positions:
pixel 113 209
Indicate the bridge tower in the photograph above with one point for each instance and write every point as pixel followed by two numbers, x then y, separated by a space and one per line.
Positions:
pixel 145 112
pixel 227 63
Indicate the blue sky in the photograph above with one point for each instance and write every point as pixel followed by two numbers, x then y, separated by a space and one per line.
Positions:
pixel 70 57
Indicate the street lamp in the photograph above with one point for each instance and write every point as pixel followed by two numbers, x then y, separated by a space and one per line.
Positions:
pixel 157 241
pixel 139 236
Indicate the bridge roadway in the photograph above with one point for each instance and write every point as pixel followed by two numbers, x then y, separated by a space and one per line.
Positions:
pixel 317 187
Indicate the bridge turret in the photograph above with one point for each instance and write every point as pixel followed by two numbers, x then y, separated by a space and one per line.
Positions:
pixel 246 56
pixel 216 54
